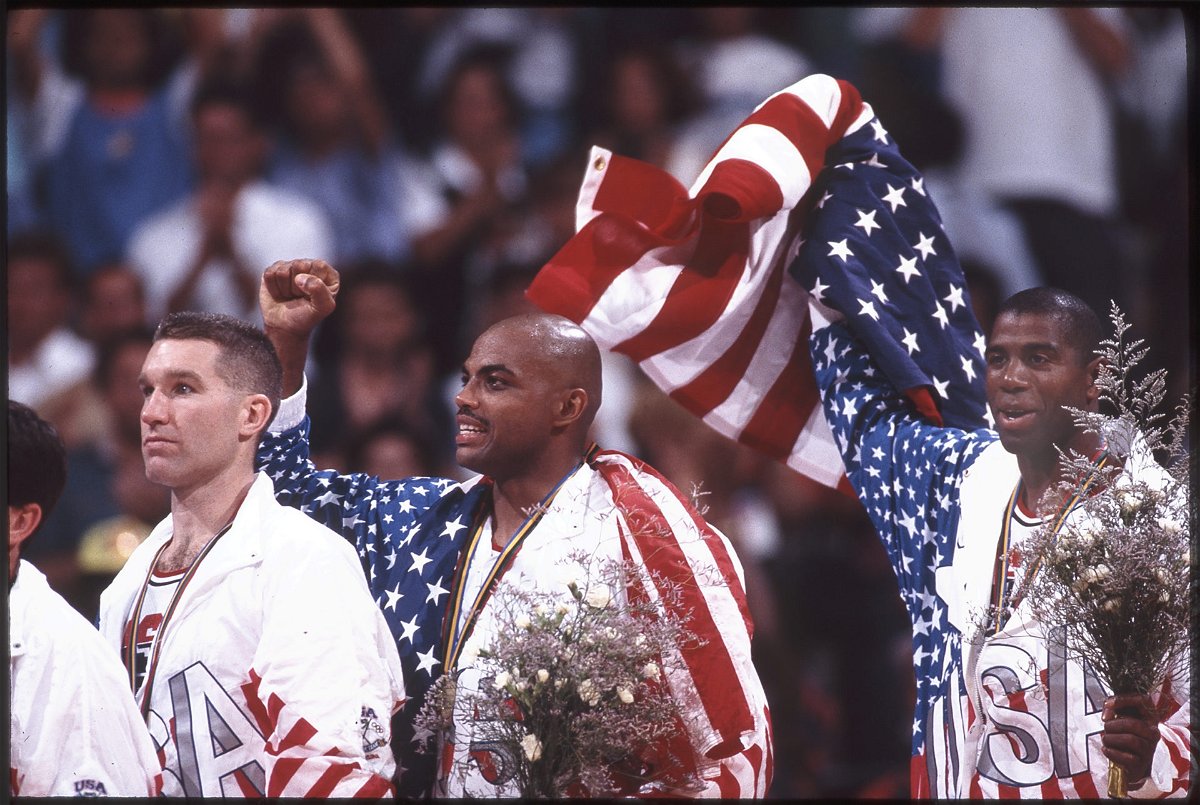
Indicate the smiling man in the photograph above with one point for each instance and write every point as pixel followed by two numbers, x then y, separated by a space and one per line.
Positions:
pixel 260 663
pixel 1002 710
pixel 434 550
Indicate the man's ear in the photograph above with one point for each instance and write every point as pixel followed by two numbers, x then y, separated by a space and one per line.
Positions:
pixel 22 522
pixel 256 413
pixel 571 408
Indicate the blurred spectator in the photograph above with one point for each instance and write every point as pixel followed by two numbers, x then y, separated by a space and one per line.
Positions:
pixel 848 641
pixel 335 143
pixel 208 251
pixel 647 98
pixel 903 80
pixel 1152 152
pixel 1032 88
pixel 46 358
pixel 541 66
pixel 392 448
pixel 736 65
pixel 105 478
pixel 374 360
pixel 109 122
pixel 114 301
pixel 471 193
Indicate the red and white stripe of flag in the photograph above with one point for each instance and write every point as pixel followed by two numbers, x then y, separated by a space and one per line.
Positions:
pixel 692 285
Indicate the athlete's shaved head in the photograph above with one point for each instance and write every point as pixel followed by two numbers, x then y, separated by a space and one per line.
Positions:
pixel 563 350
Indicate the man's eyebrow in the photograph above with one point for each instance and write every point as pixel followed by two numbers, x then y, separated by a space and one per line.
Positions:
pixel 174 374
pixel 490 367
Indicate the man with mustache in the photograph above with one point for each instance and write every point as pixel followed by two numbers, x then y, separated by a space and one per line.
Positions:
pixel 1002 709
pixel 531 387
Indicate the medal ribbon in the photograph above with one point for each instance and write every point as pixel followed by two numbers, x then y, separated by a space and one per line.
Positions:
pixel 1001 587
pixel 453 637
pixel 131 650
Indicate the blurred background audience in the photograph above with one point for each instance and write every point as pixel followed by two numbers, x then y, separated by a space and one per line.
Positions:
pixel 159 159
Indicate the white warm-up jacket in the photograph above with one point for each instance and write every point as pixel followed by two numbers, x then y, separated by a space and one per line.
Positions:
pixel 74 728
pixel 276 670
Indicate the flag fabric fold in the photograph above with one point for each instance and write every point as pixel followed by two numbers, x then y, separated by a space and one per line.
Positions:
pixel 695 285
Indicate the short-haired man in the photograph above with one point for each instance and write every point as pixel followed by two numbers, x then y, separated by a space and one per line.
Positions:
pixel 259 659
pixel 74 727
pixel 531 387
pixel 1006 712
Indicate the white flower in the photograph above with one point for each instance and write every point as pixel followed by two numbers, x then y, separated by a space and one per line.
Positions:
pixel 523 622
pixel 567 576
pixel 1169 525
pixel 650 670
pixel 540 610
pixel 1111 604
pixel 1102 572
pixel 542 675
pixel 1164 596
pixel 561 609
pixel 598 596
pixel 1131 500
pixel 589 692
pixel 532 746
pixel 502 680
pixel 624 694
pixel 1162 575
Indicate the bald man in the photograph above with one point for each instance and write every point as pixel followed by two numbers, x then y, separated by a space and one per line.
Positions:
pixel 434 550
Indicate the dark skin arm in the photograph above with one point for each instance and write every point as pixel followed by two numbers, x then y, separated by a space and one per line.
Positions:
pixel 295 296
pixel 1130 734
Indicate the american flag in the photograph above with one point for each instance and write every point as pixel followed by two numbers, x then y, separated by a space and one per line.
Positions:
pixel 694 286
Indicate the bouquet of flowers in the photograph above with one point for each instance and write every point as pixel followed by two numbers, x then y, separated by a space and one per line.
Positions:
pixel 577 698
pixel 1117 574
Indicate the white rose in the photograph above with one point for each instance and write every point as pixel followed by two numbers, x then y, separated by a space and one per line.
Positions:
pixel 1102 572
pixel 469 656
pixel 650 670
pixel 624 694
pixel 598 596
pixel 540 610
pixel 542 675
pixel 561 609
pixel 589 693
pixel 523 622
pixel 1111 604
pixel 532 747
pixel 502 680
pixel 1162 575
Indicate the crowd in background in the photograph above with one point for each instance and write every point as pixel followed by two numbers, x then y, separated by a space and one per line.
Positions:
pixel 159 160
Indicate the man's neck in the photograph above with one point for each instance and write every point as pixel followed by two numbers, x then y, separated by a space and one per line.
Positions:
pixel 1042 474
pixel 196 517
pixel 515 499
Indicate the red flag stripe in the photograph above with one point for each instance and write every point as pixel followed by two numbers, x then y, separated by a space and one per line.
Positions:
pixel 710 666
pixel 699 295
pixel 782 414
pixel 714 385
pixel 327 783
pixel 282 772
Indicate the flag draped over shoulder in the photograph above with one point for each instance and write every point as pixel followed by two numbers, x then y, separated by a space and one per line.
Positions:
pixel 694 285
